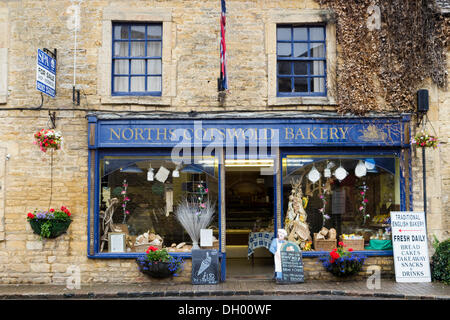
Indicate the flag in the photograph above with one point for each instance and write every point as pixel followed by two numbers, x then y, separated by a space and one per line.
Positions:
pixel 223 81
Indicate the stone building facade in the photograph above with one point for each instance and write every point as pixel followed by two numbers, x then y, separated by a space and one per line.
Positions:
pixel 190 67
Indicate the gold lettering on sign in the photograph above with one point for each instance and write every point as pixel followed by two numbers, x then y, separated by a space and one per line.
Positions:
pixel 233 134
pixel 138 133
pixel 289 133
pixel 158 133
pixel 322 132
pixel 311 133
pixel 116 134
pixel 344 132
pixel 149 133
pixel 124 135
pixel 334 132
pixel 299 132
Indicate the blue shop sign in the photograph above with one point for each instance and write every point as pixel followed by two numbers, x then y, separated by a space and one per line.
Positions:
pixel 380 132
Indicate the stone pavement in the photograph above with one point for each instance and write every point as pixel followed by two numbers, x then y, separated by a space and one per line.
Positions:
pixel 389 289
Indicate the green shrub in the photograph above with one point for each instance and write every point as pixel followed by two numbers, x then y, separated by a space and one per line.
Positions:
pixel 440 261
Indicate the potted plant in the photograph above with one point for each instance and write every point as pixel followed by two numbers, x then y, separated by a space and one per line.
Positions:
pixel 158 263
pixel 343 262
pixel 423 140
pixel 51 223
pixel 48 139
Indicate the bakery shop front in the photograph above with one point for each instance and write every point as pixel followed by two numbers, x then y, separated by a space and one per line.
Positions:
pixel 323 179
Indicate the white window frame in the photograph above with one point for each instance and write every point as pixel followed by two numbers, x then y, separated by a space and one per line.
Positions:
pixel 124 14
pixel 305 16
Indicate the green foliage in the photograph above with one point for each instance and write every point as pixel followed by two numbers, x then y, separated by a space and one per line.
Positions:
pixel 45 229
pixel 154 254
pixel 440 261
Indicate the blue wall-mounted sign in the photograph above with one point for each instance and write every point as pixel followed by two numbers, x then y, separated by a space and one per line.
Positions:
pixel 379 132
pixel 46 74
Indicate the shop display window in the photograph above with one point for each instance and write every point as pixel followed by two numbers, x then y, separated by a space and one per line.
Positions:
pixel 139 197
pixel 353 195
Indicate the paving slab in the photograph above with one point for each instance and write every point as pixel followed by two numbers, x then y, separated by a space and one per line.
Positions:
pixel 388 288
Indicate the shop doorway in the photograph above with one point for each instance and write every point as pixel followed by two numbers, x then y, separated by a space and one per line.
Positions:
pixel 249 203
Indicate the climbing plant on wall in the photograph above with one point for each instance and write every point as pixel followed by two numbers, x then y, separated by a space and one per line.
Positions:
pixel 386 49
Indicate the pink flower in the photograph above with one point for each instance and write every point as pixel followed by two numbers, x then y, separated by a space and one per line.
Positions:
pixel 206 190
pixel 362 192
pixel 361 208
pixel 365 200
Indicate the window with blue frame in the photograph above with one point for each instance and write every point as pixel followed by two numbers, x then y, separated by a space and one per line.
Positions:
pixel 301 60
pixel 137 59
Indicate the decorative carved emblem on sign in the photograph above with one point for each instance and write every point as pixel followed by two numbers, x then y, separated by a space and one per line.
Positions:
pixel 372 133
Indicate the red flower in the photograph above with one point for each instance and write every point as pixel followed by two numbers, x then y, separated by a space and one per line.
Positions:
pixel 52 210
pixel 152 248
pixel 63 208
pixel 334 255
pixel 341 243
pixel 68 213
pixel 30 215
pixel 350 249
pixel 335 249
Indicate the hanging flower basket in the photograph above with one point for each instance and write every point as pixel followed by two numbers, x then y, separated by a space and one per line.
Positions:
pixel 48 139
pixel 341 262
pixel 50 224
pixel 159 264
pixel 424 140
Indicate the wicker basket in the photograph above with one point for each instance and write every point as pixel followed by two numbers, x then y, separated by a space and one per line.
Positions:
pixel 355 244
pixel 324 245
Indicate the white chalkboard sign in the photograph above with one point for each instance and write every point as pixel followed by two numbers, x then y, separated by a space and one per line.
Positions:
pixel 205 266
pixel 410 245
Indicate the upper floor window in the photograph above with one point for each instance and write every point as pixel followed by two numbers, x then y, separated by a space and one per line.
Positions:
pixel 301 60
pixel 137 59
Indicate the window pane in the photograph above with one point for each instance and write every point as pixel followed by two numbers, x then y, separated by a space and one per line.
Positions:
pixel 154 84
pixel 300 34
pixel 154 49
pixel 317 50
pixel 121 66
pixel 138 66
pixel 284 85
pixel 137 49
pixel 301 68
pixel 317 34
pixel 284 49
pixel 145 204
pixel 120 84
pixel 137 84
pixel 121 49
pixel 300 50
pixel 318 68
pixel 317 84
pixel 154 32
pixel 137 32
pixel 120 32
pixel 154 66
pixel 343 203
pixel 283 34
pixel 284 67
pixel 301 84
